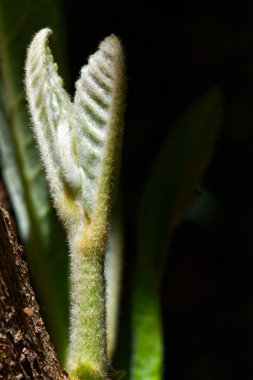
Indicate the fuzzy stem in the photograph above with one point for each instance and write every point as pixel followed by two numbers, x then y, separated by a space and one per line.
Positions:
pixel 88 316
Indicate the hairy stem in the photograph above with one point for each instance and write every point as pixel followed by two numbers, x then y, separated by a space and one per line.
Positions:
pixel 88 316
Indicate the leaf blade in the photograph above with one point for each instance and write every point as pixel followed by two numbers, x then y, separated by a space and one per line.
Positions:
pixel 184 159
pixel 39 230
pixel 99 105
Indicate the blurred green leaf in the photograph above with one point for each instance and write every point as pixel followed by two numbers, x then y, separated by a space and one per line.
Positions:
pixel 113 274
pixel 21 169
pixel 170 191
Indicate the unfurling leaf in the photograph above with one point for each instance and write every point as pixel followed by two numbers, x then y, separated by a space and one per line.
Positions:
pixel 78 140
pixel 80 145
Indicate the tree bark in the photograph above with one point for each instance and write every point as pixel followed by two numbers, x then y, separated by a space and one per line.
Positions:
pixel 26 351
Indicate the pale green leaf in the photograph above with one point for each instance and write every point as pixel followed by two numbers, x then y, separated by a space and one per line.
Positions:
pixel 78 141
pixel 98 105
pixel 113 272
pixel 170 190
pixel 20 165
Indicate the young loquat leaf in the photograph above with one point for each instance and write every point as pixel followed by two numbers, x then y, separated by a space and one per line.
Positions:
pixel 78 141
pixel 80 144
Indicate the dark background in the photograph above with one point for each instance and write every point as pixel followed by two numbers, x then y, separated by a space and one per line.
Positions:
pixel 174 54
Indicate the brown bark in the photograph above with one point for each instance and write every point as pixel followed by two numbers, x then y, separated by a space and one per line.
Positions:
pixel 26 351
